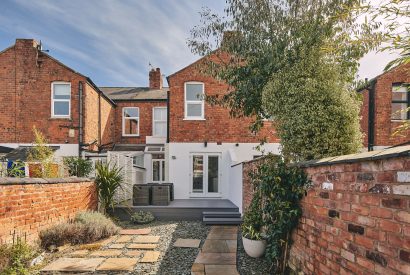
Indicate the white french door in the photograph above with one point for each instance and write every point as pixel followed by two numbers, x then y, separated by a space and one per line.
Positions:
pixel 205 174
pixel 158 168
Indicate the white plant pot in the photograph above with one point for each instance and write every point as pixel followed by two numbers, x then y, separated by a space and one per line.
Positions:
pixel 255 249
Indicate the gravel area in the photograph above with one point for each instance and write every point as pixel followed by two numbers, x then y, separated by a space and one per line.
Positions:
pixel 247 265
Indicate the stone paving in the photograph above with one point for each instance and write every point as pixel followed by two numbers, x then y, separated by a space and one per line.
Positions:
pixel 218 254
pixel 116 254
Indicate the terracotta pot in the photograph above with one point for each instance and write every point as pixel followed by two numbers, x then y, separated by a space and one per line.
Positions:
pixel 34 170
pixel 254 248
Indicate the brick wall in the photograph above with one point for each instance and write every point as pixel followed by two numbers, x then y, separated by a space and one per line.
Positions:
pixel 30 205
pixel 218 126
pixel 384 126
pixel 145 120
pixel 359 224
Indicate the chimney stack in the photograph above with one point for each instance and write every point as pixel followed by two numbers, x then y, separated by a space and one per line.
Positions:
pixel 155 79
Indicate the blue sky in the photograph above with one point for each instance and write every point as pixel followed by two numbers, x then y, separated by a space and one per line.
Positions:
pixel 113 42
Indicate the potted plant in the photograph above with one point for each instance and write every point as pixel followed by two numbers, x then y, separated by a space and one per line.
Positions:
pixel 253 239
pixel 142 217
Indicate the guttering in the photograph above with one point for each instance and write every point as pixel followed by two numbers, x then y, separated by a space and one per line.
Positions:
pixel 142 100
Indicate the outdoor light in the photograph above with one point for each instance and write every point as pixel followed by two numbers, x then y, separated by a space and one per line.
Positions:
pixel 205 143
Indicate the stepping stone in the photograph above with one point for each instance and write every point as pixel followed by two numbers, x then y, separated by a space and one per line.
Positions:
pixel 194 243
pixel 216 258
pixel 106 253
pixel 74 265
pixel 225 230
pixel 107 241
pixel 142 246
pixel 118 264
pixel 232 245
pixel 141 231
pixel 81 252
pixel 117 245
pixel 221 236
pixel 198 268
pixel 215 246
pixel 221 270
pixel 146 239
pixel 133 253
pixel 150 257
pixel 123 239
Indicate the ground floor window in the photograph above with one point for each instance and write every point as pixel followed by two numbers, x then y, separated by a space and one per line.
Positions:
pixel 205 176
pixel 158 168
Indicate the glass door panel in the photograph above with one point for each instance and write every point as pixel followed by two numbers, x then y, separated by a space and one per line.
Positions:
pixel 156 172
pixel 197 174
pixel 213 174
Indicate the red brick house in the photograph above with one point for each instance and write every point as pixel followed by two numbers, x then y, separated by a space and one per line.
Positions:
pixel 385 100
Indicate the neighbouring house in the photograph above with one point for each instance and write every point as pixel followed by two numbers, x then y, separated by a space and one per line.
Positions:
pixel 386 100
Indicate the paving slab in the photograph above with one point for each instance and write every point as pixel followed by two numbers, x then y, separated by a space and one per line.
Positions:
pixel 232 245
pixel 215 246
pixel 118 264
pixel 224 229
pixel 108 240
pixel 141 231
pixel 221 270
pixel 222 236
pixel 216 258
pixel 124 239
pixel 142 246
pixel 81 252
pixel 133 253
pixel 146 239
pixel 106 253
pixel 117 245
pixel 198 267
pixel 74 265
pixel 150 257
pixel 191 243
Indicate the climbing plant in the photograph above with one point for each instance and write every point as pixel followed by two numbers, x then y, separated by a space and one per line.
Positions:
pixel 281 187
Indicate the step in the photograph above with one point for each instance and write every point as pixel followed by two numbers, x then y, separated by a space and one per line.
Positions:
pixel 221 214
pixel 222 220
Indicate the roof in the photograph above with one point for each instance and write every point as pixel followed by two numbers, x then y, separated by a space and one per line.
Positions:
pixel 21 153
pixel 5 150
pixel 135 93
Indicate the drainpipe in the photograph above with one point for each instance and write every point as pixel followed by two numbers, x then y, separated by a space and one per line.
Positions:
pixel 80 118
pixel 99 122
pixel 168 96
pixel 370 135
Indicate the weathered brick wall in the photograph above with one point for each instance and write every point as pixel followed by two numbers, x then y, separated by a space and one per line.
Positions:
pixel 29 205
pixel 218 125
pixel 145 120
pixel 384 126
pixel 356 219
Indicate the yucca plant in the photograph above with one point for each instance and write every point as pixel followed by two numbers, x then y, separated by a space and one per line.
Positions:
pixel 108 179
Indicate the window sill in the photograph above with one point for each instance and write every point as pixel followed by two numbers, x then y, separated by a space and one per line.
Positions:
pixel 188 118
pixel 399 120
pixel 60 118
pixel 130 135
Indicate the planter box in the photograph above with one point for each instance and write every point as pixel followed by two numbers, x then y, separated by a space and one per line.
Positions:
pixel 141 194
pixel 160 195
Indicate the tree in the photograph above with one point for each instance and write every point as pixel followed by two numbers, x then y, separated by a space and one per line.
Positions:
pixel 292 61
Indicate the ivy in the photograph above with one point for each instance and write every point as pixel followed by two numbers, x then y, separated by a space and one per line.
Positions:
pixel 280 188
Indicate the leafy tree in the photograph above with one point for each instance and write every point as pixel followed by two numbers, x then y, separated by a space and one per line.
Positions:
pixel 293 61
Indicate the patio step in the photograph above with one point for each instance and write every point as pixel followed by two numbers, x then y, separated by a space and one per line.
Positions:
pixel 221 218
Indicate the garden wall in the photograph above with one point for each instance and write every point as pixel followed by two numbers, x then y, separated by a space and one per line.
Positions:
pixel 29 205
pixel 356 218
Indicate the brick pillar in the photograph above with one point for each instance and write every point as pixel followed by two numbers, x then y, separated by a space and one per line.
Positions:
pixel 155 79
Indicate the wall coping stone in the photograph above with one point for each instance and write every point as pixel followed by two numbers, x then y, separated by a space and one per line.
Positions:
pixel 24 181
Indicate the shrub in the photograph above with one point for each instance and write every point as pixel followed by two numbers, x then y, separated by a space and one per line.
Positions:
pixel 87 227
pixel 15 258
pixel 142 217
pixel 78 167
pixel 253 220
pixel 108 180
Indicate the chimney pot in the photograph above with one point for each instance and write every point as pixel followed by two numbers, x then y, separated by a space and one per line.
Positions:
pixel 155 79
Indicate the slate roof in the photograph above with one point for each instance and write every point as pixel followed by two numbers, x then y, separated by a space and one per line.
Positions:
pixel 134 93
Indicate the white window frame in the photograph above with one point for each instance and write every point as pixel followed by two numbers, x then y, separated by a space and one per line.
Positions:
pixel 199 101
pixel 205 175
pixel 60 100
pixel 123 122
pixel 161 170
pixel 154 121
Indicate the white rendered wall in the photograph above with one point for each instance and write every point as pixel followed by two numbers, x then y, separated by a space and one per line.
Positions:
pixel 235 186
pixel 179 165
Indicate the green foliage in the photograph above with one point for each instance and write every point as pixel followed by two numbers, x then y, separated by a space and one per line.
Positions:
pixel 252 225
pixel 78 167
pixel 43 154
pixel 15 258
pixel 281 187
pixel 142 217
pixel 108 179
pixel 16 170
pixel 87 227
pixel 269 45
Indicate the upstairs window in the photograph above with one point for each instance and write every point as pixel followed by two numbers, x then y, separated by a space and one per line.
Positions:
pixel 194 101
pixel 400 102
pixel 159 121
pixel 60 99
pixel 130 121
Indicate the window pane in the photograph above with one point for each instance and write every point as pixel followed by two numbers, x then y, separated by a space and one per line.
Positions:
pixel 194 92
pixel 61 108
pixel 163 170
pixel 398 111
pixel 155 170
pixel 160 114
pixel 194 110
pixel 400 92
pixel 131 126
pixel 61 91
pixel 197 174
pixel 138 160
pixel 160 129
pixel 131 112
pixel 213 171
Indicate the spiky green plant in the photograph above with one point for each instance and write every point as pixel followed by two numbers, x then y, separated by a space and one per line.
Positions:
pixel 108 179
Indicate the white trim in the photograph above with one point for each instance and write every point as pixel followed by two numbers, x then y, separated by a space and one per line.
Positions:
pixel 197 102
pixel 60 100
pixel 205 175
pixel 123 122
pixel 161 170
pixel 153 121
